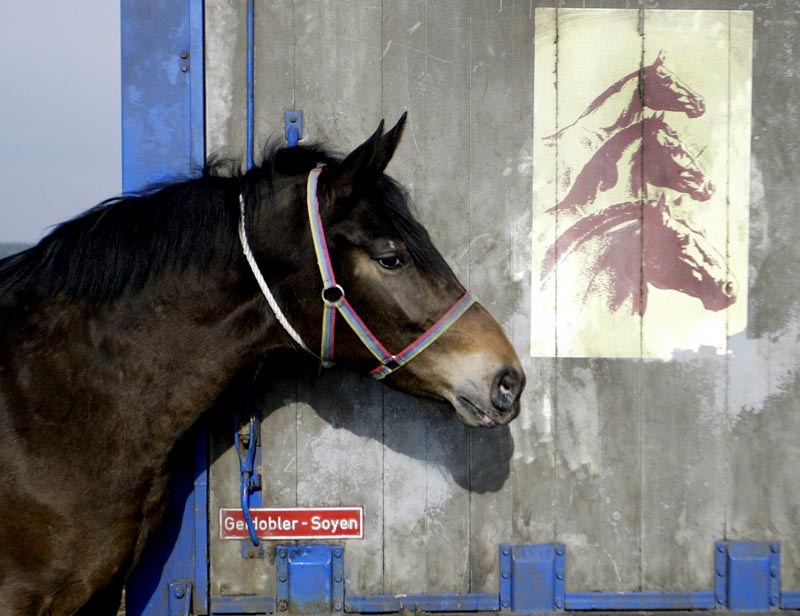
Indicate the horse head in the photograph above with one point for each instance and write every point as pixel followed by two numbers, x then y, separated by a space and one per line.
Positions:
pixel 663 91
pixel 679 257
pixel 668 163
pixel 392 287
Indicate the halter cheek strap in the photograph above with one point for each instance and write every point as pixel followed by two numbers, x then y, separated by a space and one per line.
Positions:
pixel 333 296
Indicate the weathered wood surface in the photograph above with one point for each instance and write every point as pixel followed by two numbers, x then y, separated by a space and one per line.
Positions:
pixel 637 465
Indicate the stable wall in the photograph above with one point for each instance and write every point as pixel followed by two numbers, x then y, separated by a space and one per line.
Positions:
pixel 638 465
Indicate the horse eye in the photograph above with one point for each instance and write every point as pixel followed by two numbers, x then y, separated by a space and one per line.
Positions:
pixel 392 262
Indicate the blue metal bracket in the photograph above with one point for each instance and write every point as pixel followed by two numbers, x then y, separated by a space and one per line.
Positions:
pixel 747 575
pixel 294 127
pixel 310 579
pixel 250 479
pixel 532 577
pixel 180 598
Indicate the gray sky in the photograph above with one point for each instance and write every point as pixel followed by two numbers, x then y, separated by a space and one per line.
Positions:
pixel 59 112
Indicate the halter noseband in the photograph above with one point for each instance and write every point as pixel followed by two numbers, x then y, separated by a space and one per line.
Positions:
pixel 334 300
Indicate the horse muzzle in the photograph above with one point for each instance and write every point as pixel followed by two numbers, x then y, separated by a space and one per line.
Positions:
pixel 497 407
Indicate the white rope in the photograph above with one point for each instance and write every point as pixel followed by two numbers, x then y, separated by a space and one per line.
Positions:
pixel 260 279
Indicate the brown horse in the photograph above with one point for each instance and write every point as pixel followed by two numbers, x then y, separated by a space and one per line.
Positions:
pixel 123 325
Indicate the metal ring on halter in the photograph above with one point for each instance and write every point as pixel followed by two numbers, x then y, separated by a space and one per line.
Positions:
pixel 338 290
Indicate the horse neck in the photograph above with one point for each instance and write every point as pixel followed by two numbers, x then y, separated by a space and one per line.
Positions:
pixel 613 175
pixel 612 112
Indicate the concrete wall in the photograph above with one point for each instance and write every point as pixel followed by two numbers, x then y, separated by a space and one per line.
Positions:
pixel 638 465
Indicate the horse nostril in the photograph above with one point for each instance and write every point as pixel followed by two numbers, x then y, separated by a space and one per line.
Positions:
pixel 506 389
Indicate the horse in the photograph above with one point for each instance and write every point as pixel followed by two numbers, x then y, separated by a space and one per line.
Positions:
pixel 124 324
pixel 618 107
pixel 674 256
pixel 649 152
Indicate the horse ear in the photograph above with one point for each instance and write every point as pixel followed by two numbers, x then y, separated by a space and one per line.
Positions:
pixel 662 55
pixel 388 144
pixel 368 159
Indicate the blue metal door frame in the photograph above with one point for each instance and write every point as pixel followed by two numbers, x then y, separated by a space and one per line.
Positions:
pixel 163 137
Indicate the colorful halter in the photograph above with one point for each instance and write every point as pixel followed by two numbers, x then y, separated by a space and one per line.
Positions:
pixel 333 296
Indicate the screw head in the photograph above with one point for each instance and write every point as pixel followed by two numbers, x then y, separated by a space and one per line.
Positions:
pixel 338 607
pixel 338 552
pixel 283 605
pixel 773 601
pixel 721 549
pixel 506 575
pixel 282 577
pixel 775 548
pixel 282 553
pixel 506 604
pixel 506 551
pixel 184 54
pixel 180 592
pixel 559 604
pixel 560 551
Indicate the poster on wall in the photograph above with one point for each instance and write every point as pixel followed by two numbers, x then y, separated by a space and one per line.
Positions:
pixel 641 181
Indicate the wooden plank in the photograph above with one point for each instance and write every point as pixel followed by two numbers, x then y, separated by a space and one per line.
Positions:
pixel 762 482
pixel 425 547
pixel 226 44
pixel 533 460
pixel 340 416
pixel 498 215
pixel 683 454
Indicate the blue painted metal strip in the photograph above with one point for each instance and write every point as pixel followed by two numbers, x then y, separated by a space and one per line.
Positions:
pixel 790 600
pixel 250 80
pixel 201 513
pixel 163 137
pixel 243 604
pixel 162 91
pixel 197 86
pixel 376 604
pixel 585 601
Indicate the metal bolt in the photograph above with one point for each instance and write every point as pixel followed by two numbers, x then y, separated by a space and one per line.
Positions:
pixel 559 604
pixel 506 551
pixel 506 575
pixel 338 578
pixel 773 572
pixel 180 592
pixel 338 607
pixel 506 604
pixel 775 548
pixel 773 600
pixel 282 553
pixel 337 553
pixel 721 548
pixel 283 605
pixel 559 576
pixel 721 572
pixel 184 68
pixel 184 54
pixel 560 551
pixel 282 577
pixel 721 601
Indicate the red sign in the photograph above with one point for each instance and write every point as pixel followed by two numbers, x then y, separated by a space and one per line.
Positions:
pixel 294 523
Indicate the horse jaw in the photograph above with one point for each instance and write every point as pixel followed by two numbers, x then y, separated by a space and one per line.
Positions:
pixel 473 367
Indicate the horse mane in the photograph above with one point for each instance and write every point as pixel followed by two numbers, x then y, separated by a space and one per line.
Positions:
pixel 121 243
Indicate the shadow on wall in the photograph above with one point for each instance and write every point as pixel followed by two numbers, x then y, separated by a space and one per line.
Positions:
pixel 404 424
